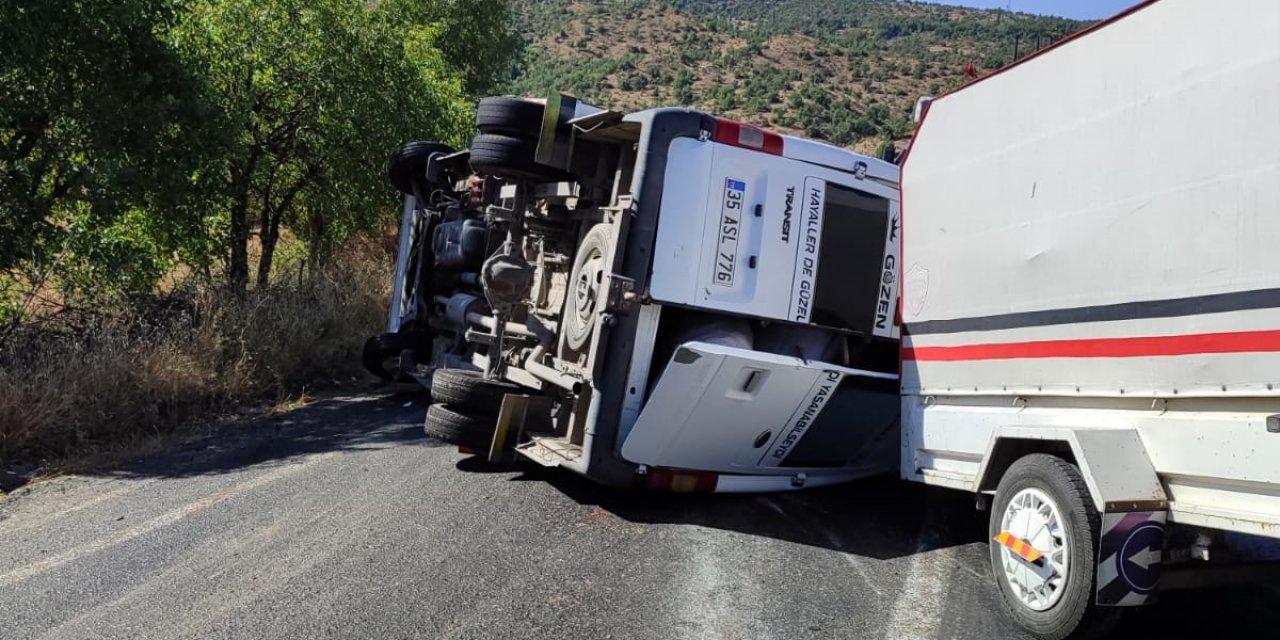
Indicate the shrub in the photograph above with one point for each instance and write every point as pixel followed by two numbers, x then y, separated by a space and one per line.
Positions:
pixel 84 381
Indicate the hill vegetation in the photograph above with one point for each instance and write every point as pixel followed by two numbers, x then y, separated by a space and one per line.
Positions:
pixel 844 71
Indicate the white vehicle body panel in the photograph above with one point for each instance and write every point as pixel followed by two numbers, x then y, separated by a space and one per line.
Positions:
pixel 756 251
pixel 400 304
pixel 738 411
pixel 1100 254
pixel 1215 461
pixel 825 155
pixel 638 374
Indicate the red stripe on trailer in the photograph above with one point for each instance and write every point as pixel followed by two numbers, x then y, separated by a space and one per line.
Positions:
pixel 1141 347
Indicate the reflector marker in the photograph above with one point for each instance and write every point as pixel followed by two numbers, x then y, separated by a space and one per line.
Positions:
pixel 682 481
pixel 1019 547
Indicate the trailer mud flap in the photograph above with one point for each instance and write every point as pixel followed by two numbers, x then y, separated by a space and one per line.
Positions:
pixel 1129 555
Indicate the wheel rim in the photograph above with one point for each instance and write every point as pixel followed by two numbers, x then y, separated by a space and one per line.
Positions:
pixel 587 292
pixel 1033 517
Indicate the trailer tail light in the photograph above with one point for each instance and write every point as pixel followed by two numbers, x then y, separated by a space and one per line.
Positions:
pixel 743 135
pixel 682 481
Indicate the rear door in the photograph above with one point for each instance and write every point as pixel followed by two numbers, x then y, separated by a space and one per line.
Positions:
pixel 730 410
pixel 760 235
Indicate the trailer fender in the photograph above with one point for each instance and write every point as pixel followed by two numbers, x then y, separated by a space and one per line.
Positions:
pixel 1124 487
pixel 1114 463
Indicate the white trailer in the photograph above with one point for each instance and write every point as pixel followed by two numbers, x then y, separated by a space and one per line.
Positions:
pixel 1091 302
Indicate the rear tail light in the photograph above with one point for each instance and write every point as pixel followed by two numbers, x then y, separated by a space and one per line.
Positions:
pixel 682 481
pixel 746 136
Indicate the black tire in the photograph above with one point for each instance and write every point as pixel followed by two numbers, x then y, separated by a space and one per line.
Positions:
pixel 410 161
pixel 380 350
pixel 461 429
pixel 508 157
pixel 510 116
pixel 469 391
pixel 582 304
pixel 1075 615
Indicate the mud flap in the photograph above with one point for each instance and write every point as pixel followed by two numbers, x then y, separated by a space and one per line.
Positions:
pixel 1129 555
pixel 519 413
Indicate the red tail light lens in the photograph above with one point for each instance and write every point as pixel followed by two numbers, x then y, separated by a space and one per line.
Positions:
pixel 682 481
pixel 746 136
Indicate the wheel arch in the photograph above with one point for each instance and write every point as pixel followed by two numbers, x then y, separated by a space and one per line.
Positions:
pixel 1114 462
pixel 1005 451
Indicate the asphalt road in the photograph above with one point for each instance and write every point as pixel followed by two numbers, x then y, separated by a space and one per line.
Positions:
pixel 341 520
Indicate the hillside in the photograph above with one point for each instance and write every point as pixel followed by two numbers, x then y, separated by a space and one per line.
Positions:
pixel 844 71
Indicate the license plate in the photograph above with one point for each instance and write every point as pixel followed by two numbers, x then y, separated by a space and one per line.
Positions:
pixel 730 230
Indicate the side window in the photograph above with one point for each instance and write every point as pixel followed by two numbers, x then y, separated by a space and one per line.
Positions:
pixel 850 264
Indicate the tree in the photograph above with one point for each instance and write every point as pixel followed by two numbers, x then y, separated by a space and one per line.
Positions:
pixel 317 94
pixel 477 38
pixel 99 121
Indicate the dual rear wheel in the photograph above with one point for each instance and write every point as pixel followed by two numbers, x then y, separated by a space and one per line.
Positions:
pixel 465 406
pixel 507 145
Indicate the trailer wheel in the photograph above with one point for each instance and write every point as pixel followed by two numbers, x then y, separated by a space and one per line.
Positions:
pixel 510 116
pixel 470 391
pixel 586 286
pixel 1042 502
pixel 447 424
pixel 410 161
pixel 508 157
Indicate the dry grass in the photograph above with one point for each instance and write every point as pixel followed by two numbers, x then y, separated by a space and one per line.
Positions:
pixel 112 385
